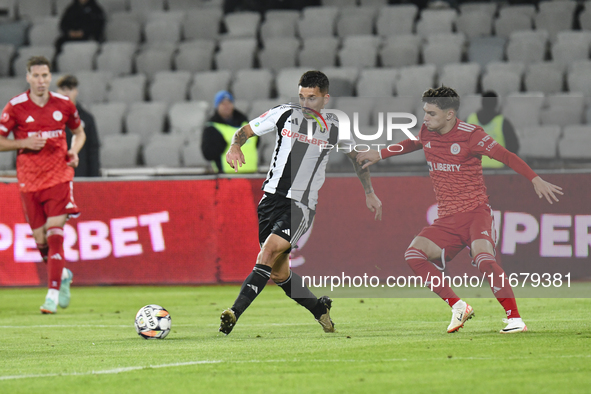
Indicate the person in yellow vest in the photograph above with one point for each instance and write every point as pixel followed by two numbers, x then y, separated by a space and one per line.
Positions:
pixel 495 125
pixel 218 133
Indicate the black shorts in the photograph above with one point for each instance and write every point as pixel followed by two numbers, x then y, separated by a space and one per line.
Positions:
pixel 284 217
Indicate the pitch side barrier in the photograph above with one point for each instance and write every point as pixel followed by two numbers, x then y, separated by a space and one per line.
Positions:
pixel 204 230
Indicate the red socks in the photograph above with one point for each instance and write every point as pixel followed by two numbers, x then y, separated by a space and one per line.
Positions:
pixel 487 264
pixel 44 250
pixel 55 261
pixel 417 260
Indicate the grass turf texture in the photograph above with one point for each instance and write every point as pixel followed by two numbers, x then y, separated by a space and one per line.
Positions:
pixel 382 345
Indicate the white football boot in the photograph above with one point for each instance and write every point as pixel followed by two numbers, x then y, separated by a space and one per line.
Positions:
pixel 513 325
pixel 460 313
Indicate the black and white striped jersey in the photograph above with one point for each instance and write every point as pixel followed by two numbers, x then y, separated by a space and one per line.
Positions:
pixel 298 167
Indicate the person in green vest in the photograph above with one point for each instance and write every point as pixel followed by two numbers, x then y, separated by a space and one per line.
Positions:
pixel 218 133
pixel 495 125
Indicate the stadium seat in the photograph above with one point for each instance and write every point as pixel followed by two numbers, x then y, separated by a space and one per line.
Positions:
pixel 128 89
pixel 242 105
pixel 413 81
pixel 359 51
pixel 463 77
pixel 192 156
pixel 44 31
pixel 194 56
pixel 125 27
pixel 202 24
pixel 564 109
pixel 120 150
pixel 475 24
pixel 483 50
pixel 152 60
pixel 162 31
pixel 19 65
pixel 539 142
pixel 395 104
pixel 183 5
pixel 546 77
pixel 512 22
pixel 186 117
pixel 10 87
pixel 170 86
pixel 108 117
pixel 513 67
pixel 554 17
pixel 522 9
pixel 279 53
pixel 566 52
pixel 436 22
pixel 116 57
pixel 317 22
pixel 207 84
pixel 396 20
pixel 14 33
pixel 362 106
pixel 164 151
pixel 252 84
pixel 318 52
pixel 339 3
pixel 575 143
pixel 146 119
pixel 523 109
pixel 176 17
pixel 502 82
pixel 236 54
pixel 242 24
pixel 580 81
pixel 92 86
pixel 7 10
pixel 61 5
pixel 29 9
pixel 283 15
pixel 401 51
pixel 489 8
pixel 112 6
pixel 470 103
pixel 143 8
pixel 442 52
pixel 287 82
pixel 356 21
pixel 377 82
pixel 278 28
pixel 527 46
pixel 342 80
pixel 77 56
pixel 6 53
pixel 7 160
pixel 259 107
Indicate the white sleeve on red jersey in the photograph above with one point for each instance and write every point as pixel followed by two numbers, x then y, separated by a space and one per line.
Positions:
pixel 481 143
pixel 7 120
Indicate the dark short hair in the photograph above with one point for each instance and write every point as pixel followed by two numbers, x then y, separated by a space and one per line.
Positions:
pixel 313 79
pixel 443 97
pixel 67 82
pixel 38 61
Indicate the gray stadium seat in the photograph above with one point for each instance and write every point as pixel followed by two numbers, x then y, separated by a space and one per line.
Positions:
pixel 575 143
pixel 7 160
pixel 146 119
pixel 6 53
pixel 414 80
pixel 475 24
pixel 14 33
pixel 442 53
pixel 164 151
pixel 61 5
pixel 564 109
pixel 19 66
pixel 356 21
pixel 7 10
pixel 10 87
pixel 545 77
pixel 539 142
pixel 555 17
pixel 319 52
pixel 359 51
pixel 279 53
pixel 436 22
pixel 116 57
pixel 236 54
pixel 152 60
pixel 276 27
pixel 483 50
pixel 395 104
pixel 317 22
pixel 194 56
pixel 112 6
pixel 185 117
pixel 143 8
pixel 463 77
pixel 363 106
pixel 377 82
pixel 259 107
pixel 522 9
pixel 202 24
pixel 512 22
pixel 502 82
pixel 207 84
pixel 29 9
pixel 77 56
pixel 44 31
pixel 401 51
pixel 176 17
pixel 580 81
pixel 192 156
pixel 162 30
pixel 183 5
pixel 170 86
pixel 287 81
pixel 470 103
pixel 527 46
pixel 120 150
pixel 242 24
pixel 396 20
pixel 342 80
pixel 489 8
pixel 523 109
pixel 252 84
pixel 92 86
pixel 109 117
pixel 123 28
pixel 566 52
pixel 128 89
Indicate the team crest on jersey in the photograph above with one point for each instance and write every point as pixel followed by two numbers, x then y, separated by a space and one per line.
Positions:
pixel 57 115
pixel 455 149
pixel 5 116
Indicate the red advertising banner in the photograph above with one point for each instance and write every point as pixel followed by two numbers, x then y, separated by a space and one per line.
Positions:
pixel 205 231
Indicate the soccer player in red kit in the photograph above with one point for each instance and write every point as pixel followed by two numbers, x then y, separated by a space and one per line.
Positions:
pixel 45 168
pixel 453 150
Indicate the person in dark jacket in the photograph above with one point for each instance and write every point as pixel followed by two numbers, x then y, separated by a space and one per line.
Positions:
pixel 89 165
pixel 83 20
pixel 218 134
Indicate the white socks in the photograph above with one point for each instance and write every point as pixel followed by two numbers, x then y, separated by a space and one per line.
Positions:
pixel 53 295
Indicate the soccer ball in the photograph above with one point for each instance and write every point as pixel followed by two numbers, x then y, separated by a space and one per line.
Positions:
pixel 152 322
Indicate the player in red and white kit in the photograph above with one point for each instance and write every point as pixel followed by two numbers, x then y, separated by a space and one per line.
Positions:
pixel 45 168
pixel 453 150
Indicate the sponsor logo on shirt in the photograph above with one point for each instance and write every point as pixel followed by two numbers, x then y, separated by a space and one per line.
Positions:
pixel 29 119
pixel 443 167
pixel 45 134
pixel 302 137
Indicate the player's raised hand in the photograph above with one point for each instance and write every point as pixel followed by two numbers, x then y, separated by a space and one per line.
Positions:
pixel 235 157
pixel 374 204
pixel 34 142
pixel 368 158
pixel 546 189
pixel 72 159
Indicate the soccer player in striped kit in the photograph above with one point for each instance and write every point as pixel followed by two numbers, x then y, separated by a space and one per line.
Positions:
pixel 453 150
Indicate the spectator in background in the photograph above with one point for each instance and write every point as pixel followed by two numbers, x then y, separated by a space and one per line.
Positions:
pixel 89 165
pixel 83 20
pixel 218 134
pixel 495 125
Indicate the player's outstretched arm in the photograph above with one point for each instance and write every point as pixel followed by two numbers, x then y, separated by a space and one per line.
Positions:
pixel 371 200
pixel 234 156
pixel 546 189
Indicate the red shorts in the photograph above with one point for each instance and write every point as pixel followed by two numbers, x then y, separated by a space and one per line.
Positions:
pixel 54 201
pixel 454 232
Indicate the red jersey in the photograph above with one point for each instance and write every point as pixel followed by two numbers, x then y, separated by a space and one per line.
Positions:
pixel 38 170
pixel 455 164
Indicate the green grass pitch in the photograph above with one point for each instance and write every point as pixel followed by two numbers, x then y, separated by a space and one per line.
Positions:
pixel 382 345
